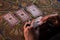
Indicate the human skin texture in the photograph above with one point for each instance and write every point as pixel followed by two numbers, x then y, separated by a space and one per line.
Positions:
pixel 29 32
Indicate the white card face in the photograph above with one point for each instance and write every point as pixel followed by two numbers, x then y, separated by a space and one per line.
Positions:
pixel 23 15
pixel 34 10
pixel 11 19
pixel 38 19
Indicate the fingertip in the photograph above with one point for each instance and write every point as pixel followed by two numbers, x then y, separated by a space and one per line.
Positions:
pixel 25 25
pixel 32 23
pixel 54 14
pixel 29 27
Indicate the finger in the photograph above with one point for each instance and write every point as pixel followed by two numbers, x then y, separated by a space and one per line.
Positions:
pixel 32 23
pixel 29 22
pixel 44 18
pixel 29 27
pixel 26 24
pixel 48 16
pixel 54 14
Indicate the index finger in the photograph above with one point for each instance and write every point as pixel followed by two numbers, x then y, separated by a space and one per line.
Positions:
pixel 26 24
pixel 54 14
pixel 32 23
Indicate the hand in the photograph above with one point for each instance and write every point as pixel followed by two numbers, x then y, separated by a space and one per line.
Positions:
pixel 29 32
pixel 45 18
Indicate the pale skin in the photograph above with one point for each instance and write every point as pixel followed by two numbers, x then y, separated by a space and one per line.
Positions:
pixel 29 32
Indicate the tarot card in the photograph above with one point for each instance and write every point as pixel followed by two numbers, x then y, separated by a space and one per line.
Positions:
pixel 11 19
pixel 23 15
pixel 34 10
